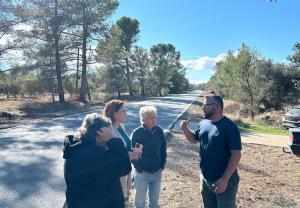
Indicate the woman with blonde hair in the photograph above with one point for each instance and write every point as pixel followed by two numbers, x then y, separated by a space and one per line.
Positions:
pixel 116 113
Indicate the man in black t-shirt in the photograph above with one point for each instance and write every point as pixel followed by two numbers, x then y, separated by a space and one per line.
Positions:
pixel 220 153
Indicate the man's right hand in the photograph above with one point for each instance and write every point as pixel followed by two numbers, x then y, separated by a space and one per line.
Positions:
pixel 187 132
pixel 184 124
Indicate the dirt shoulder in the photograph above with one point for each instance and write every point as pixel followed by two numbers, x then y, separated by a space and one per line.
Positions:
pixel 269 177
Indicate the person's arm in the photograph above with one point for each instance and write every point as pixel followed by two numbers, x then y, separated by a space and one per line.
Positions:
pixel 115 161
pixel 189 135
pixel 221 184
pixel 163 151
pixel 233 139
pixel 119 155
pixel 136 163
pixel 233 163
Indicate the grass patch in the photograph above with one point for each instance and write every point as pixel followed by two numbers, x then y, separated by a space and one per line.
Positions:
pixel 260 128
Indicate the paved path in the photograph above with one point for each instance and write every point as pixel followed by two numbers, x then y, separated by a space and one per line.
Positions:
pixel 265 139
pixel 31 165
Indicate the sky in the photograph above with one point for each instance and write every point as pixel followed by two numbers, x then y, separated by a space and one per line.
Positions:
pixel 204 30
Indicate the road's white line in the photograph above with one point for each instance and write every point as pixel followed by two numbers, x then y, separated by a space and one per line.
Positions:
pixel 169 129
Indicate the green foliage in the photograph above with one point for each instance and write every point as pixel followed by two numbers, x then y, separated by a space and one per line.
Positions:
pixel 250 79
pixel 110 53
pixel 8 21
pixel 237 77
pixel 260 128
pixel 140 64
pixel 165 60
pixel 129 31
pixel 69 84
pixel 179 82
pixel 202 86
pixel 50 35
pixel 111 79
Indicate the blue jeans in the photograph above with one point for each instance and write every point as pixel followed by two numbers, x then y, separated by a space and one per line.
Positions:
pixel 147 182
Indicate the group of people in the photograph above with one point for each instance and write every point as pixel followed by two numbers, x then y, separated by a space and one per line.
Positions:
pixel 99 158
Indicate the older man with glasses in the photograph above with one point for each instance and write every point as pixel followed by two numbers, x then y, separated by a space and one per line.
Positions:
pixel 220 153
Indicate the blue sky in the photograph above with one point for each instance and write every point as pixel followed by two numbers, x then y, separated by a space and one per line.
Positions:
pixel 204 30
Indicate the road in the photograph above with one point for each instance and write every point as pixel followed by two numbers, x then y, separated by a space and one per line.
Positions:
pixel 31 166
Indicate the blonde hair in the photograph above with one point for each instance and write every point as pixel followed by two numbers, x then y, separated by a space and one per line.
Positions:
pixel 145 111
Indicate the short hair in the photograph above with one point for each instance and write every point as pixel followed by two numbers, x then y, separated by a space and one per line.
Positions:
pixel 87 132
pixel 217 99
pixel 111 107
pixel 145 111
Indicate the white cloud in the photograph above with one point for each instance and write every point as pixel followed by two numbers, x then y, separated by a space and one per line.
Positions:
pixel 203 62
pixel 200 70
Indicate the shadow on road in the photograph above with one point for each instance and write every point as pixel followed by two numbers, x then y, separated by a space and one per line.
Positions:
pixel 24 180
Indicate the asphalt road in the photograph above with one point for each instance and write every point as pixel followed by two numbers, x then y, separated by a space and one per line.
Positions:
pixel 31 165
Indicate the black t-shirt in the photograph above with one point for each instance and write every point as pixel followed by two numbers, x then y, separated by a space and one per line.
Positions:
pixel 216 139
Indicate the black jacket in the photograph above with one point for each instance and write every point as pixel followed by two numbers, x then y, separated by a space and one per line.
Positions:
pixel 154 152
pixel 92 174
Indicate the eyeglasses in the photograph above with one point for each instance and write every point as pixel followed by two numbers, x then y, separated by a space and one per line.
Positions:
pixel 207 104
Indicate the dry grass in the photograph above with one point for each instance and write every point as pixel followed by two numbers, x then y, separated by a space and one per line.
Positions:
pixel 34 109
pixel 269 178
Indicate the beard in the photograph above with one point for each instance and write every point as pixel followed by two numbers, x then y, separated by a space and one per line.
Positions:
pixel 208 115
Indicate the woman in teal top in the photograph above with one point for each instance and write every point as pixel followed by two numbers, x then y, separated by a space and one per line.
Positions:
pixel 116 113
pixel 125 137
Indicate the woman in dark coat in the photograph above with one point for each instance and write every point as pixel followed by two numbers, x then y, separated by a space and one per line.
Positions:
pixel 94 163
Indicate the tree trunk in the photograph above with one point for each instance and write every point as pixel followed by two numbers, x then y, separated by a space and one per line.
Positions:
pixel 119 93
pixel 57 58
pixel 77 73
pixel 142 87
pixel 83 87
pixel 52 84
pixel 160 89
pixel 53 95
pixel 88 90
pixel 142 80
pixel 252 115
pixel 128 77
pixel 251 110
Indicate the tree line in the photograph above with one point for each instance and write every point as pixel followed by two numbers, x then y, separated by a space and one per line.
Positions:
pixel 56 38
pixel 259 83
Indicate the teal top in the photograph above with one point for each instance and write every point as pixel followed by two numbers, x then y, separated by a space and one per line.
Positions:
pixel 125 137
